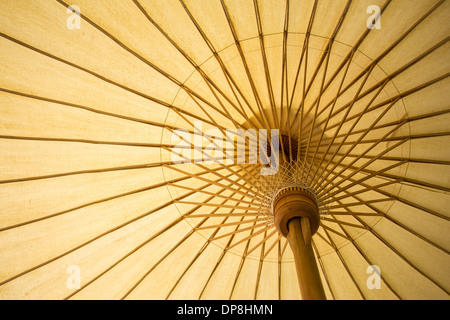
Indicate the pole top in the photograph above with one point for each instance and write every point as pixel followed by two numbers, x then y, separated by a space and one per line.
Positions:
pixel 295 202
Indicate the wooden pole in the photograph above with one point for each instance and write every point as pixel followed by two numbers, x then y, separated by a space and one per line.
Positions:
pixel 296 216
pixel 299 238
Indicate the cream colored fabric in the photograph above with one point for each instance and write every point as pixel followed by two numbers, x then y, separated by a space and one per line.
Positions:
pixel 86 122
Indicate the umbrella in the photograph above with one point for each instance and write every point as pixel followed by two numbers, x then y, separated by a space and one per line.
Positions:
pixel 224 149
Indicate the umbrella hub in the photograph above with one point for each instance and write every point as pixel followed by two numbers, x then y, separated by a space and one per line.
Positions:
pixel 295 202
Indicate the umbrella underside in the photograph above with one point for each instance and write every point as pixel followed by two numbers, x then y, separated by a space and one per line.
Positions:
pixel 92 98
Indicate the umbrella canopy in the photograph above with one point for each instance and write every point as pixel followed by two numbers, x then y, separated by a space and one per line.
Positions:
pixel 97 201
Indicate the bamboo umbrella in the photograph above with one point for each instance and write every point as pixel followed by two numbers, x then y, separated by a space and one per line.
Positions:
pixel 95 95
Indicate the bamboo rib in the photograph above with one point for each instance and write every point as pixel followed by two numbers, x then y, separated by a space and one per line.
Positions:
pixel 187 214
pixel 230 80
pixel 379 213
pixel 347 269
pixel 197 255
pixel 247 70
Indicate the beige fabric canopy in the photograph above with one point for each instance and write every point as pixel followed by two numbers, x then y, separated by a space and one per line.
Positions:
pixel 90 98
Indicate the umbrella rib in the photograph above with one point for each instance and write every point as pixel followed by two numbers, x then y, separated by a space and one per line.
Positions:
pixel 264 224
pixel 345 116
pixel 322 267
pixel 399 158
pixel 173 248
pixel 329 115
pixel 238 273
pixel 284 81
pixel 409 180
pixel 203 191
pixel 407 120
pixel 205 77
pixel 136 92
pixel 215 205
pixel 161 260
pixel 340 223
pixel 216 183
pixel 266 237
pixel 380 57
pixel 147 62
pixel 347 269
pixel 388 124
pixel 199 148
pixel 407 229
pixel 85 285
pixel 328 51
pixel 384 215
pixel 200 133
pixel 242 259
pixel 277 241
pixel 363 166
pixel 351 129
pixel 394 178
pixel 223 255
pixel 367 189
pixel 304 54
pixel 245 64
pixel 284 77
pixel 398 198
pixel 410 137
pixel 302 104
pixel 105 113
pixel 267 227
pixel 305 47
pixel 353 242
pixel 241 222
pixel 86 141
pixel 265 63
pixel 397 96
pixel 326 56
pixel 353 204
pixel 64 174
pixel 236 173
pixel 245 214
pixel 279 264
pixel 323 238
pixel 258 275
pixel 229 117
pixel 199 253
pixel 349 56
pixel 362 214
pixel 223 68
pixel 369 176
pixel 95 238
pixel 241 264
pixel 284 248
pixel 372 231
pixel 98 201
pixel 335 232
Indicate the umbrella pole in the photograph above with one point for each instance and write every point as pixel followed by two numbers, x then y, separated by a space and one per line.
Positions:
pixel 299 238
pixel 296 216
